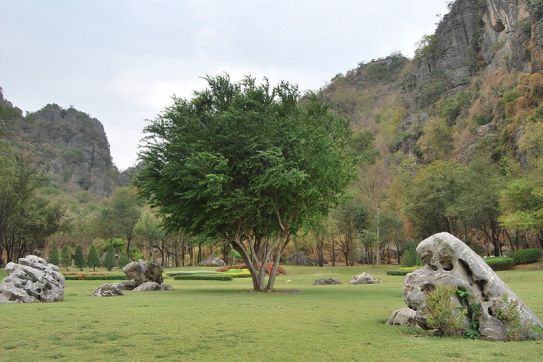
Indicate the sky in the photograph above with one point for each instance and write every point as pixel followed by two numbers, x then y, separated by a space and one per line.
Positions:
pixel 122 60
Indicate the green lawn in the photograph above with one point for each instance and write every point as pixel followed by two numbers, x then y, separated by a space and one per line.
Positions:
pixel 206 320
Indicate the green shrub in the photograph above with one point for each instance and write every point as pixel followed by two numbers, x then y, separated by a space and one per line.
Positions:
pixel 508 313
pixel 9 113
pixel 123 260
pixel 501 263
pixel 402 271
pixel 238 273
pixel 442 313
pixel 93 260
pixel 65 257
pixel 204 276
pixel 409 257
pixel 526 256
pixel 79 257
pixel 53 256
pixel 482 119
pixel 109 261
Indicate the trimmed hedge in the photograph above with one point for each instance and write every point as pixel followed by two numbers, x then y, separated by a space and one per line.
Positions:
pixel 501 263
pixel 402 271
pixel 190 272
pixel 95 277
pixel 204 276
pixel 238 273
pixel 526 256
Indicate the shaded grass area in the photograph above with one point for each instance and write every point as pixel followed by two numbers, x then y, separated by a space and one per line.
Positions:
pixel 209 320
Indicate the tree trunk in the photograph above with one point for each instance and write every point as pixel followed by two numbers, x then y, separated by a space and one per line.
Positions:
pixel 333 251
pixel 226 252
pixel 256 274
pixel 320 249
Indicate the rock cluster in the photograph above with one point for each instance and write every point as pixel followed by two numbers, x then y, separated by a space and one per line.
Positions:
pixel 448 261
pixel 141 272
pixel 364 278
pixel 32 279
pixel 142 277
pixel 327 281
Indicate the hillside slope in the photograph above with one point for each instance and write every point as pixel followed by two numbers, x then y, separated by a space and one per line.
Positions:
pixel 67 145
pixel 458 130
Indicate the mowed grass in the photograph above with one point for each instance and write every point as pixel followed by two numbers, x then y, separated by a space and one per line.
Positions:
pixel 213 320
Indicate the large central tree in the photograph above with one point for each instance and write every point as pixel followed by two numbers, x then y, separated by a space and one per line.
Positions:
pixel 248 163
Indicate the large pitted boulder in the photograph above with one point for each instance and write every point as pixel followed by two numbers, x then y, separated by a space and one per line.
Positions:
pixel 152 286
pixel 108 290
pixel 448 261
pixel 32 279
pixel 141 272
pixel 364 278
pixel 327 281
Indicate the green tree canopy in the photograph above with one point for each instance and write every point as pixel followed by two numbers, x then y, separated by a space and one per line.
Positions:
pixel 93 260
pixel 248 162
pixel 53 256
pixel 120 214
pixel 109 261
pixel 26 218
pixel 65 257
pixel 79 257
pixel 433 191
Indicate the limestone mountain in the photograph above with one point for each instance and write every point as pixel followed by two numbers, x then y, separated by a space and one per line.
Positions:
pixel 67 145
pixel 474 86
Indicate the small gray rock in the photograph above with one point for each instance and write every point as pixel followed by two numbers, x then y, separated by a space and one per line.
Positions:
pixel 402 317
pixel 127 285
pixel 148 287
pixel 327 281
pixel 108 290
pixel 166 287
pixel 364 278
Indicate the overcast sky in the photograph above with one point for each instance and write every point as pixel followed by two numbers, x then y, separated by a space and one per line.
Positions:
pixel 121 61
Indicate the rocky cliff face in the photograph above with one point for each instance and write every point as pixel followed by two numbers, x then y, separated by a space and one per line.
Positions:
pixel 483 35
pixel 68 145
pixel 474 84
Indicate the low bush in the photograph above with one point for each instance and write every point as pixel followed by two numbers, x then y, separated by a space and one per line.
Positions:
pixel 95 277
pixel 508 313
pixel 238 273
pixel 402 271
pixel 501 263
pixel 409 257
pixel 442 313
pixel 526 256
pixel 204 276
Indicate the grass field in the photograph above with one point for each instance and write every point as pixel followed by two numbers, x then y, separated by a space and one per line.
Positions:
pixel 210 320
